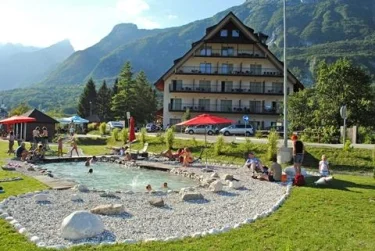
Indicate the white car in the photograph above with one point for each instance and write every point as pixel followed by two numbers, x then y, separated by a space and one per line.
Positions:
pixel 114 124
pixel 151 127
pixel 237 130
pixel 200 129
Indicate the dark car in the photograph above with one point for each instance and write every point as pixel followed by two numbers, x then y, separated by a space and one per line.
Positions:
pixel 267 130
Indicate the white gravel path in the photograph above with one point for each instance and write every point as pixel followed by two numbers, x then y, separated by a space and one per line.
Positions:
pixel 143 221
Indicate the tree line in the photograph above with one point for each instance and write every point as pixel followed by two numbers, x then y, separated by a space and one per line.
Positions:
pixel 128 94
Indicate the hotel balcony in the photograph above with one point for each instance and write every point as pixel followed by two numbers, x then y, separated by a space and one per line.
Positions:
pixel 243 89
pixel 229 53
pixel 235 71
pixel 257 109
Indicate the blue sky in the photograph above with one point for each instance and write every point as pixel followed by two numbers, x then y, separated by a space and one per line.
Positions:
pixel 85 22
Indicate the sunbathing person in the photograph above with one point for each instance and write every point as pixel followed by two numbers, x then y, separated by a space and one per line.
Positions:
pixel 127 156
pixel 171 155
pixel 21 152
pixel 187 157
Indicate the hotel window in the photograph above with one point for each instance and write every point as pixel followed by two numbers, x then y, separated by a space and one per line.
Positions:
pixel 277 87
pixel 226 68
pixel 176 104
pixel 256 87
pixel 204 104
pixel 256 69
pixel 227 51
pixel 223 33
pixel 226 86
pixel 226 105
pixel 205 68
pixel 235 33
pixel 206 51
pixel 255 106
pixel 205 85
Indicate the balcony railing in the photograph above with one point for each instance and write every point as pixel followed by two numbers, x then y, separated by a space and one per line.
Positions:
pixel 244 89
pixel 255 109
pixel 225 70
pixel 229 53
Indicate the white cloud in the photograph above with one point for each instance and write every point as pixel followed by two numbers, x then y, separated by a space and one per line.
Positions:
pixel 132 8
pixel 171 17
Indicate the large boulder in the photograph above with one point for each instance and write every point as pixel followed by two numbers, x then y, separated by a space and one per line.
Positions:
pixel 192 196
pixel 235 184
pixel 81 188
pixel 227 177
pixel 158 202
pixel 108 209
pixel 215 175
pixel 216 186
pixel 80 225
pixel 41 198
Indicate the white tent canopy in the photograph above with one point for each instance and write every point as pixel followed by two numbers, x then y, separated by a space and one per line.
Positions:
pixel 74 119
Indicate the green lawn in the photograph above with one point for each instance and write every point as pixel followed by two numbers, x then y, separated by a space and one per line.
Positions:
pixel 337 217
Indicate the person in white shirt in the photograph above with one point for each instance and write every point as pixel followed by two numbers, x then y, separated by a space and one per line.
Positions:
pixel 324 167
pixel 254 165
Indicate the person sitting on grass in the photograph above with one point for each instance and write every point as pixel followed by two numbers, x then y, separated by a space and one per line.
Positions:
pixel 324 166
pixel 187 157
pixel 274 172
pixel 21 152
pixel 171 155
pixel 254 165
pixel 39 152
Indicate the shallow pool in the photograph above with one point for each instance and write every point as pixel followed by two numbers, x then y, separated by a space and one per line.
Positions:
pixel 111 176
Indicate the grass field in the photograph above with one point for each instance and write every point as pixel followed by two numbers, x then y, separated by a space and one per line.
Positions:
pixel 339 216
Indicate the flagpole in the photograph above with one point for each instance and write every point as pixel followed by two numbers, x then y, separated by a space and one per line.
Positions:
pixel 285 82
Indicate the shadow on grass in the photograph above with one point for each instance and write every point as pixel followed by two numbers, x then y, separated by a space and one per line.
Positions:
pixel 337 184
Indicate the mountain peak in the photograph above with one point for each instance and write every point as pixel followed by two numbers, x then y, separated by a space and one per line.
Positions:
pixel 125 27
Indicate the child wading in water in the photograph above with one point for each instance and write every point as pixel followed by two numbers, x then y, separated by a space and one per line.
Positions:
pixel 59 147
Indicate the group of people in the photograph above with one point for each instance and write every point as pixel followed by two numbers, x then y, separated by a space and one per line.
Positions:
pixel 89 162
pixel 40 136
pixel 274 172
pixel 31 155
pixel 184 155
pixel 164 186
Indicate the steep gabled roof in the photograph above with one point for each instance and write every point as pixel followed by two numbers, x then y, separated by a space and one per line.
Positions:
pixel 40 116
pixel 210 32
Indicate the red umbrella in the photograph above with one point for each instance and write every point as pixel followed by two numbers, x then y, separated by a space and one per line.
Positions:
pixel 132 129
pixel 206 119
pixel 16 120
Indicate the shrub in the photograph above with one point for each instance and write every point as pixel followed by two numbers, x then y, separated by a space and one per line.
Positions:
pixel 258 134
pixel 273 137
pixel 102 128
pixel 194 142
pixel 160 137
pixel 366 135
pixel 92 127
pixel 124 135
pixel 247 146
pixel 142 135
pixel 219 145
pixel 347 146
pixel 115 135
pixel 169 138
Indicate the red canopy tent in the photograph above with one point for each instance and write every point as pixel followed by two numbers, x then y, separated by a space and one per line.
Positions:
pixel 206 119
pixel 18 120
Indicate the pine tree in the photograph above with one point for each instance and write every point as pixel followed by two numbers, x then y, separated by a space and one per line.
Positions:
pixel 115 87
pixel 124 100
pixel 103 102
pixel 145 100
pixel 87 101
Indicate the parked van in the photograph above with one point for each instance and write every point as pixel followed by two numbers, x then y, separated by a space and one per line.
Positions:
pixel 238 130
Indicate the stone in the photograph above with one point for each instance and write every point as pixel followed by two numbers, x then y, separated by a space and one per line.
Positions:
pixel 237 225
pixel 235 185
pixel 80 225
pixel 111 209
pixel 192 196
pixel 171 238
pixel 17 226
pixel 13 222
pixel 207 170
pixel 9 218
pixel 22 230
pixel 227 177
pixel 41 244
pixel 129 241
pixel 58 247
pixel 216 186
pixel 158 202
pixel 225 229
pixel 198 234
pixel 186 190
pixel 81 188
pixel 76 197
pixel 34 239
pixel 4 215
pixel 30 168
pixel 215 175
pixel 209 180
pixel 108 195
pixel 129 192
pixel 213 231
pixel 151 239
pixel 41 198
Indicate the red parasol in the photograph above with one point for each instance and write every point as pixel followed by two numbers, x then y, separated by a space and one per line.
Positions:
pixel 16 120
pixel 132 130
pixel 206 119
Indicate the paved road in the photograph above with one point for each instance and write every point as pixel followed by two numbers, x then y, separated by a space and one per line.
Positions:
pixel 239 139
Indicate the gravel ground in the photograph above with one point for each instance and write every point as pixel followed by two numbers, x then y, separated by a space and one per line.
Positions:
pixel 143 221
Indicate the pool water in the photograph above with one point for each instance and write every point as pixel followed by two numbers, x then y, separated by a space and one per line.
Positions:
pixel 113 177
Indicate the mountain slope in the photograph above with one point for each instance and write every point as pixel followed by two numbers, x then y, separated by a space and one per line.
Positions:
pixel 9 49
pixel 310 23
pixel 24 68
pixel 79 65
